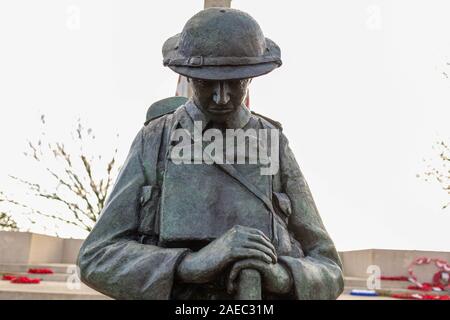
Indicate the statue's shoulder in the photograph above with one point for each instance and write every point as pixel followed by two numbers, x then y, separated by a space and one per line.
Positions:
pixel 163 107
pixel 268 122
pixel 156 116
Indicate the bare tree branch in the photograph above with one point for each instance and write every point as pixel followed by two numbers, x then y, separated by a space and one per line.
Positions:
pixel 7 223
pixel 438 169
pixel 82 183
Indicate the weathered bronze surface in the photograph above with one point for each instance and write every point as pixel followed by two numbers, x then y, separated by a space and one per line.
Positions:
pixel 221 44
pixel 215 230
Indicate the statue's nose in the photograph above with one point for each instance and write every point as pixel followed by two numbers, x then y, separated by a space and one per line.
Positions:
pixel 221 93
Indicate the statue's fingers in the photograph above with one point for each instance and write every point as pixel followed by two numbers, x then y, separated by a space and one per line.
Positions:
pixel 258 232
pixel 232 277
pixel 263 248
pixel 264 241
pixel 246 253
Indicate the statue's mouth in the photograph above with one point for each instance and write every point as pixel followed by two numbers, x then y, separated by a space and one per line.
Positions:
pixel 220 110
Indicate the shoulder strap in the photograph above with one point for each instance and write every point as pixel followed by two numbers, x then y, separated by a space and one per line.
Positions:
pixel 157 132
pixel 231 170
pixel 151 145
pixel 169 124
pixel 267 123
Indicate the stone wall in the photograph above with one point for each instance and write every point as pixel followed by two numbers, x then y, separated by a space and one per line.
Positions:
pixel 26 247
pixel 14 247
pixel 390 262
pixel 71 249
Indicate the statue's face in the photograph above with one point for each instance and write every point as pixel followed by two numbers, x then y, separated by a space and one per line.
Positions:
pixel 219 99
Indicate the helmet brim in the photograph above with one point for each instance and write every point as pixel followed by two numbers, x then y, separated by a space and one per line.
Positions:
pixel 225 72
pixel 222 72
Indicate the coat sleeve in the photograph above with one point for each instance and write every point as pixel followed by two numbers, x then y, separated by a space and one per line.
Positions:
pixel 318 275
pixel 112 260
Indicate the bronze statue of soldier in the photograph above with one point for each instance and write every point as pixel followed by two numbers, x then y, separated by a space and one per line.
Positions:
pixel 211 229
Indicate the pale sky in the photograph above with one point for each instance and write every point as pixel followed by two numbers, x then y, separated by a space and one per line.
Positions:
pixel 362 96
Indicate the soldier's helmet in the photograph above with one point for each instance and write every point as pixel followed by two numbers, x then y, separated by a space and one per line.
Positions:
pixel 221 44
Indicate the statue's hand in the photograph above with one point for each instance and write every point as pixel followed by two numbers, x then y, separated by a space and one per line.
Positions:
pixel 275 277
pixel 236 244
